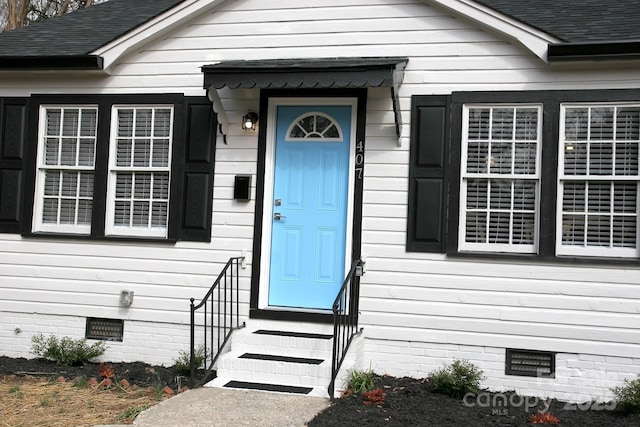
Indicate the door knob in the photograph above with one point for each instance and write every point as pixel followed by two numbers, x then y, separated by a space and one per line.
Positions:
pixel 277 216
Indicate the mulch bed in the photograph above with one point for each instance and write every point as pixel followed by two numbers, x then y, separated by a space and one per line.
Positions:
pixel 411 402
pixel 138 373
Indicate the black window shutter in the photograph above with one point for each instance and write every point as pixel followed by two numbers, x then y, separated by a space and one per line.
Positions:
pixel 428 174
pixel 13 140
pixel 196 197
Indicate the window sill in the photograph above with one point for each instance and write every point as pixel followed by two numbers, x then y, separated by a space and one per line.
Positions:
pixel 542 259
pixel 69 236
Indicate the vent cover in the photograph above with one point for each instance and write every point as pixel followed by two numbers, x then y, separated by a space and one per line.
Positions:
pixel 531 363
pixel 104 329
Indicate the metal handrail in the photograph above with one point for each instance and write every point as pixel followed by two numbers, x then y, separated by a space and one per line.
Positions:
pixel 221 316
pixel 345 319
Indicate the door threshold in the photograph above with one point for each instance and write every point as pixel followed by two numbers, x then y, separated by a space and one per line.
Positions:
pixel 289 314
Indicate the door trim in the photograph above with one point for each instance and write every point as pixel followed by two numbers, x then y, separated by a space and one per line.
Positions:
pixel 264 191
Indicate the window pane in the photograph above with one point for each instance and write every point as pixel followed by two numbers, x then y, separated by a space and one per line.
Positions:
pixel 502 124
pixel 574 196
pixel 500 195
pixel 86 185
pixel 143 123
pixel 527 124
pixel 576 124
pixel 624 231
pixel 122 215
pixel 625 198
pixel 524 195
pixel 70 120
pixel 89 123
pixel 477 191
pixel 53 122
pixel 523 228
pixel 627 158
pixel 161 186
pixel 51 148
pixel 52 183
pixel 501 158
pixel 84 212
pixel 601 159
pixel 142 153
pixel 331 132
pixel 124 186
pixel 125 123
pixel 599 197
pixel 479 123
pixel 477 157
pixel 140 216
pixel 628 124
pixel 69 184
pixel 475 227
pixel 161 153
pixel 142 186
pixel 67 211
pixel 598 230
pixel 50 211
pixel 499 227
pixel 162 125
pixel 86 156
pixel 124 151
pixel 525 158
pixel 601 124
pixel 68 152
pixel 159 214
pixel 575 158
pixel 573 229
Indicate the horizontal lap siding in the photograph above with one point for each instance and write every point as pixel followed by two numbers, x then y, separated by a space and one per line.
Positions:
pixel 404 295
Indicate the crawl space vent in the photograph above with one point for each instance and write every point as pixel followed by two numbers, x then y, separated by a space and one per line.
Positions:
pixel 530 363
pixel 104 329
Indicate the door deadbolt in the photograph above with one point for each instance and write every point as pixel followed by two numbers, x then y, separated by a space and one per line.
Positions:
pixel 278 202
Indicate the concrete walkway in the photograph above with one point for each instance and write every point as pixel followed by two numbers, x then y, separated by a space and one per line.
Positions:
pixel 208 406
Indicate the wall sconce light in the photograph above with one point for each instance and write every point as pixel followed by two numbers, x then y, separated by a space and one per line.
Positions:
pixel 249 121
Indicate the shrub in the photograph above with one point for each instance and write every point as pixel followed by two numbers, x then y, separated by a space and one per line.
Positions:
pixel 183 362
pixel 361 382
pixel 67 351
pixel 628 396
pixel 457 379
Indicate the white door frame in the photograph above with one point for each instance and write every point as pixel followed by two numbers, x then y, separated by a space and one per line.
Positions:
pixel 269 171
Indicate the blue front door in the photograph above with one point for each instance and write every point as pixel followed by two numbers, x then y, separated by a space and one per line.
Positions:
pixel 309 222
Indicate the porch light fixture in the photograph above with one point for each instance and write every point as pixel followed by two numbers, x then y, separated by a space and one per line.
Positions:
pixel 249 121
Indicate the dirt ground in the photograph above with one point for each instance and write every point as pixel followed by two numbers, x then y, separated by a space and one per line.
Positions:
pixel 31 395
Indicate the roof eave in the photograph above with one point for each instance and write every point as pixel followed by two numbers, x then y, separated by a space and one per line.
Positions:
pixel 594 51
pixel 70 62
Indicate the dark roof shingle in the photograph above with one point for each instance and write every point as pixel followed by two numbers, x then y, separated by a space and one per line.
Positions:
pixel 83 31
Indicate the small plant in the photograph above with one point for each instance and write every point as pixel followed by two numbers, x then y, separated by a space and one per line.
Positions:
pixel 16 391
pixel 67 351
pixel 544 418
pixel 374 397
pixel 361 382
pixel 628 396
pixel 183 362
pixel 457 379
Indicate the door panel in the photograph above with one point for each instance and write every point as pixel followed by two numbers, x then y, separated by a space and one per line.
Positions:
pixel 311 181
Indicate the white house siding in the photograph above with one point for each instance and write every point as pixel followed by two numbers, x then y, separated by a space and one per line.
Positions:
pixel 418 310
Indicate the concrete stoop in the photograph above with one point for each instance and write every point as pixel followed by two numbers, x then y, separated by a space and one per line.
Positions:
pixel 285 357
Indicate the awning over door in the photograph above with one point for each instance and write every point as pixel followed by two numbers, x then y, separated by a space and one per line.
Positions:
pixel 305 73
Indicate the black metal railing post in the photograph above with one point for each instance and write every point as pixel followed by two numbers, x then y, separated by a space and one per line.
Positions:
pixel 345 319
pixel 219 319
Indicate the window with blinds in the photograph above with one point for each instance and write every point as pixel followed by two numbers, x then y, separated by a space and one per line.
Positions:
pixel 500 177
pixel 139 178
pixel 598 180
pixel 66 162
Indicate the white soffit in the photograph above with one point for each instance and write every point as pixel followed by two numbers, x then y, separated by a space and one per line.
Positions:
pixel 532 39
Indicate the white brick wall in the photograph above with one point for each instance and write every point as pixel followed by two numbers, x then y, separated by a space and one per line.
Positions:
pixel 154 343
pixel 579 377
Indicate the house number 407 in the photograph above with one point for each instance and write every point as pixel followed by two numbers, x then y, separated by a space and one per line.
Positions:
pixel 359 159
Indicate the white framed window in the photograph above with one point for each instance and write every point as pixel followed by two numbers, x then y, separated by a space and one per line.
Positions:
pixel 65 168
pixel 500 178
pixel 139 170
pixel 598 180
